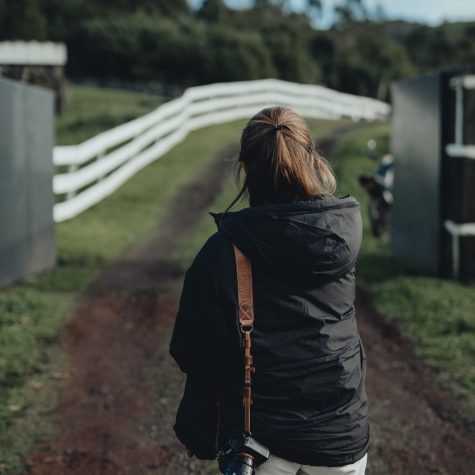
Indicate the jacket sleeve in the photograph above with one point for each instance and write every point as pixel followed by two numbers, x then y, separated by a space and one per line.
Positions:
pixel 199 345
pixel 206 334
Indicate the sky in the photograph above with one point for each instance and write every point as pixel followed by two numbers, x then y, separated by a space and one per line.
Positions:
pixel 432 12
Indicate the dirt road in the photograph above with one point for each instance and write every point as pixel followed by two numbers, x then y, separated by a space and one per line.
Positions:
pixel 117 413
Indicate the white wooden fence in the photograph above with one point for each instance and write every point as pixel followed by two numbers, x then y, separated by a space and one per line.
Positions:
pixel 98 166
pixel 33 53
pixel 459 149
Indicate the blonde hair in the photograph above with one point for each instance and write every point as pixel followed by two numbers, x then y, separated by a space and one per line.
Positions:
pixel 279 158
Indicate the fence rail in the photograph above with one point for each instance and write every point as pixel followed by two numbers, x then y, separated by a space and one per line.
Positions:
pixel 33 53
pixel 98 166
pixel 457 151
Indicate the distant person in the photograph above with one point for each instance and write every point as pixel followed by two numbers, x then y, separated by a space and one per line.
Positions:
pixel 309 400
pixel 379 186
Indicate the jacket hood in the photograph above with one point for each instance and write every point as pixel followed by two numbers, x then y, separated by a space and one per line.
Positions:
pixel 317 239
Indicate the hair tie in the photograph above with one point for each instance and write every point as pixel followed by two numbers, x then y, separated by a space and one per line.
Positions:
pixel 278 126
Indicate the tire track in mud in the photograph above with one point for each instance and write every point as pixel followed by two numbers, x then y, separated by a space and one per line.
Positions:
pixel 117 413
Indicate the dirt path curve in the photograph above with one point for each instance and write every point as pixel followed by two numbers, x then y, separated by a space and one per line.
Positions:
pixel 117 412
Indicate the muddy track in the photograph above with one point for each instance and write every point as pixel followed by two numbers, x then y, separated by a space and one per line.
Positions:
pixel 116 414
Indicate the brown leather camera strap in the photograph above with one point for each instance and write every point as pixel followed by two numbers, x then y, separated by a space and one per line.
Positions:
pixel 246 320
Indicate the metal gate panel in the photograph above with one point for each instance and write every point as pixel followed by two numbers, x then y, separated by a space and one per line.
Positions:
pixel 416 146
pixel 26 173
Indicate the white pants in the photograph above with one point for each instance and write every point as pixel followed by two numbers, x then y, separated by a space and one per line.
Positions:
pixel 278 466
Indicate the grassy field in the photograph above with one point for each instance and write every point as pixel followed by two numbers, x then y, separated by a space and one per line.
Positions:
pixel 33 311
pixel 435 314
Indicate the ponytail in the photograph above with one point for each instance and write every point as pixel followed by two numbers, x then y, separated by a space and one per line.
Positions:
pixel 280 160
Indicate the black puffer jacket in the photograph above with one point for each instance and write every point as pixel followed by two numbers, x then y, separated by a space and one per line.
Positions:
pixel 309 397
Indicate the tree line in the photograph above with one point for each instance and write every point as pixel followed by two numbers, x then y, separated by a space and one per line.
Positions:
pixel 168 42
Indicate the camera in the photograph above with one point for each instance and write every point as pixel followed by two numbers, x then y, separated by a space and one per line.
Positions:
pixel 242 456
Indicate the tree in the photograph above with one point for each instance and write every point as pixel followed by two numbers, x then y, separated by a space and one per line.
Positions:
pixel 213 11
pixel 65 17
pixel 314 7
pixel 172 8
pixel 23 20
pixel 322 49
pixel 162 40
pixel 364 61
pixel 2 13
pixel 237 56
pixel 351 11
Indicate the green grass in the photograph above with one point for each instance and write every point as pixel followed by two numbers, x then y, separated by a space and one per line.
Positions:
pixel 34 310
pixel 91 110
pixel 436 315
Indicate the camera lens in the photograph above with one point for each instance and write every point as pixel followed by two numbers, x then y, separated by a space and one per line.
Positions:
pixel 240 464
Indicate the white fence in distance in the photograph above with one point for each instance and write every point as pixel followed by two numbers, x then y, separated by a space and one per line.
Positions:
pixel 459 149
pixel 33 53
pixel 94 171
